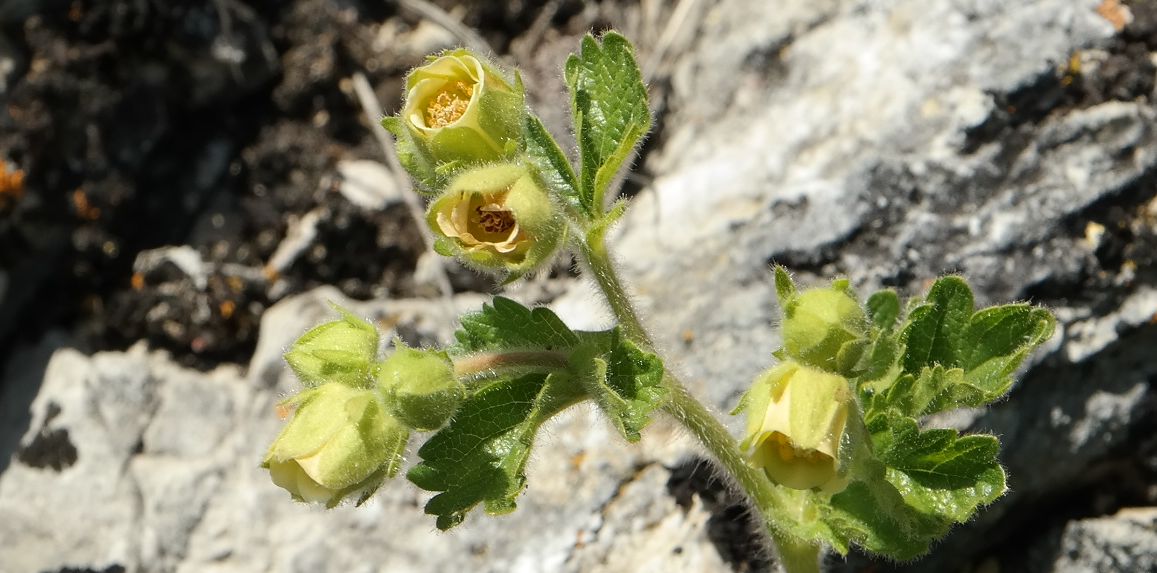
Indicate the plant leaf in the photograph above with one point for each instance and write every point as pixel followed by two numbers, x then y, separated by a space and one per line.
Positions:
pixel 884 309
pixel 624 380
pixel 609 108
pixel 936 328
pixel 506 325
pixel 480 457
pixel 940 472
pixel 552 164
pixel 876 517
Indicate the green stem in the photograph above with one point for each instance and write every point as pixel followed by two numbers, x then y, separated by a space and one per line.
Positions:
pixel 488 366
pixel 796 555
pixel 602 269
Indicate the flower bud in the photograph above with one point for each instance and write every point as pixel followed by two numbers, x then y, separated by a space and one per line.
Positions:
pixel 420 387
pixel 458 109
pixel 340 442
pixel 339 351
pixel 497 218
pixel 795 421
pixel 819 323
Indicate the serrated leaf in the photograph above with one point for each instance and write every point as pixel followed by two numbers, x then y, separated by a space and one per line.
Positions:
pixel 935 329
pixel 988 346
pixel 934 390
pixel 480 457
pixel 609 107
pixel 939 472
pixel 876 517
pixel 625 381
pixel 998 340
pixel 552 164
pixel 884 309
pixel 879 360
pixel 506 325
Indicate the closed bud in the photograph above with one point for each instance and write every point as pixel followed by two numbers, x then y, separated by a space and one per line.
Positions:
pixel 420 387
pixel 497 218
pixel 796 418
pixel 820 323
pixel 339 351
pixel 459 109
pixel 340 442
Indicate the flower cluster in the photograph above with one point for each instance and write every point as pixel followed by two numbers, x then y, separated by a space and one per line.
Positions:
pixel 460 135
pixel 351 423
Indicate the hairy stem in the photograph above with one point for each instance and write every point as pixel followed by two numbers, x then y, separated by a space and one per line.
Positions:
pixel 796 555
pixel 602 269
pixel 495 364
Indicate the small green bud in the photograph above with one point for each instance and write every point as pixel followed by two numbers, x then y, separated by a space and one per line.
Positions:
pixel 339 351
pixel 420 387
pixel 820 323
pixel 459 109
pixel 796 418
pixel 340 442
pixel 497 218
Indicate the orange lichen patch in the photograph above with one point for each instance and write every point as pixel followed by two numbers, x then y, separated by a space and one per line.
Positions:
pixel 449 105
pixel 271 274
pixel 1116 13
pixel 11 185
pixel 84 209
pixel 227 308
pixel 138 281
pixel 688 336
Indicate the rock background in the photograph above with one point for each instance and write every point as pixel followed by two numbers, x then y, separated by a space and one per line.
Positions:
pixel 200 177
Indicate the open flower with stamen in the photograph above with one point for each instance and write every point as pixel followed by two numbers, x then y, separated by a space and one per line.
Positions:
pixel 497 218
pixel 459 109
pixel 796 417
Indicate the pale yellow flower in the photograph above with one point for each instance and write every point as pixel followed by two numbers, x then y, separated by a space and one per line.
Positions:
pixel 460 108
pixel 796 417
pixel 497 218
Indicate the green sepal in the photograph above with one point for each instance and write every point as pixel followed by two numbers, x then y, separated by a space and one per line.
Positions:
pixel 337 351
pixel 413 159
pixel 419 386
pixel 784 285
pixel 481 456
pixel 609 108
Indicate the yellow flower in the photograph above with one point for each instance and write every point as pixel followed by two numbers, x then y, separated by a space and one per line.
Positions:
pixel 460 108
pixel 796 416
pixel 341 441
pixel 497 218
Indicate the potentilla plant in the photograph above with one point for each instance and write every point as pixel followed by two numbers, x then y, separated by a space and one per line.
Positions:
pixel 837 450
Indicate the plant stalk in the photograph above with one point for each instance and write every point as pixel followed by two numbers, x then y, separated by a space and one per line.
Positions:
pixel 796 555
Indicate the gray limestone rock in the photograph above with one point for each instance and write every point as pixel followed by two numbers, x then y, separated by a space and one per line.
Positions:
pixel 889 142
